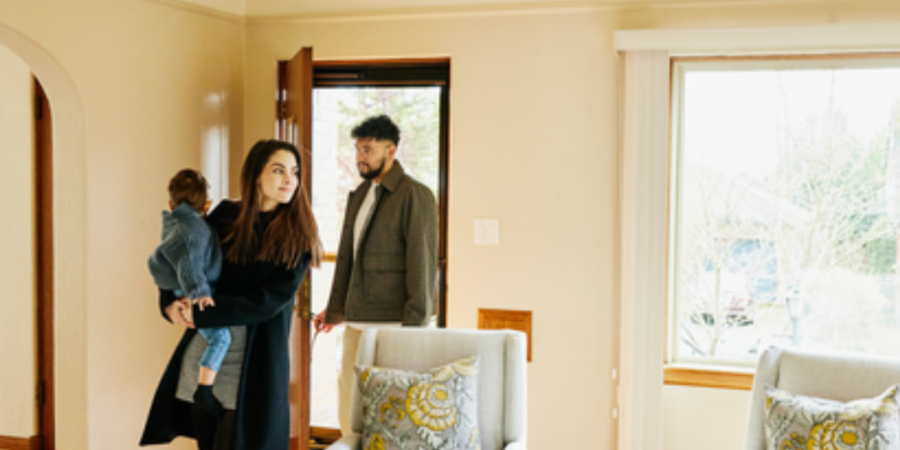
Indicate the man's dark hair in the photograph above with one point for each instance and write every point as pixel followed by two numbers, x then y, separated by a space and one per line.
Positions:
pixel 189 186
pixel 377 127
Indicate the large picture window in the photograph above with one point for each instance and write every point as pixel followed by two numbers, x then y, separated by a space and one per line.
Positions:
pixel 785 206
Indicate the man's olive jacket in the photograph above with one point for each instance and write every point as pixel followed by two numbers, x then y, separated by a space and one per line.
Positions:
pixel 392 278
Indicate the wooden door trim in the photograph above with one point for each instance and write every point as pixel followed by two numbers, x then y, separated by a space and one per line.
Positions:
pixel 444 192
pixel 383 73
pixel 382 62
pixel 17 443
pixel 46 397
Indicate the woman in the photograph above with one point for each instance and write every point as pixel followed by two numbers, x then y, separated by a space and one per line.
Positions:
pixel 269 240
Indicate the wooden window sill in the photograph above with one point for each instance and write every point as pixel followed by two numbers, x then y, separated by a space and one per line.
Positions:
pixel 737 379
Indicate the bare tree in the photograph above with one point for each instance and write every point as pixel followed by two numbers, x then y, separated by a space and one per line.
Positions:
pixel 804 227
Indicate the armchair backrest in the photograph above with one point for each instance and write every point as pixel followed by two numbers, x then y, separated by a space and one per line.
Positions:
pixel 835 376
pixel 501 372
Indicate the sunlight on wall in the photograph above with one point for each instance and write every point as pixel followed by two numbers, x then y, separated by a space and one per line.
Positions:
pixel 214 154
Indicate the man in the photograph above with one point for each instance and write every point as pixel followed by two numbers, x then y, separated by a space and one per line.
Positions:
pixel 387 257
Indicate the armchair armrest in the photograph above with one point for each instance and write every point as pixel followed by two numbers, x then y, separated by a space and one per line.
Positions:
pixel 352 441
pixel 516 445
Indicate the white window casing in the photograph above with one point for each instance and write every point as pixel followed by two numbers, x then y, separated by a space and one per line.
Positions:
pixel 644 195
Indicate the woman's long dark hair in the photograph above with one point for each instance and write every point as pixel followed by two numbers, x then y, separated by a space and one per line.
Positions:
pixel 292 231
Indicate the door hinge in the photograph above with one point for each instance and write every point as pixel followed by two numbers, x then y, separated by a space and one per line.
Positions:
pixel 302 305
pixel 303 300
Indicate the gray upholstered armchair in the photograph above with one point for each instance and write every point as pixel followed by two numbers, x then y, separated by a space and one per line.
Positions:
pixel 834 376
pixel 501 377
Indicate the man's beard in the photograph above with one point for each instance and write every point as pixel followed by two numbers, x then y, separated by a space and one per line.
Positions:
pixel 373 171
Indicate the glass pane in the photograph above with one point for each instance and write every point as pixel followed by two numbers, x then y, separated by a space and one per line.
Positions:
pixel 326 361
pixel 416 111
pixel 336 111
pixel 788 211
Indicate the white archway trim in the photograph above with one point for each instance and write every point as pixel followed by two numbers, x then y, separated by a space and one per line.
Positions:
pixel 69 238
pixel 644 214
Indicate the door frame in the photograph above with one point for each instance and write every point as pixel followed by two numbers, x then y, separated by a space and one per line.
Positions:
pixel 408 72
pixel 43 167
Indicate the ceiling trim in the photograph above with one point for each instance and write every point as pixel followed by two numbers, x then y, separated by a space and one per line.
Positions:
pixel 522 8
pixel 543 8
pixel 201 10
pixel 493 9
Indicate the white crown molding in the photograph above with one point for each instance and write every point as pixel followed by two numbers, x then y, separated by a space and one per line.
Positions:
pixel 527 8
pixel 202 10
pixel 793 39
pixel 487 9
pixel 543 8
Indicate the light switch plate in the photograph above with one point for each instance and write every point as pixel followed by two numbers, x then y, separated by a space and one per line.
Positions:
pixel 487 231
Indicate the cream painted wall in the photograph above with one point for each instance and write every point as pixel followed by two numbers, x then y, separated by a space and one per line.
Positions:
pixel 699 418
pixel 151 81
pixel 534 126
pixel 534 129
pixel 532 142
pixel 17 323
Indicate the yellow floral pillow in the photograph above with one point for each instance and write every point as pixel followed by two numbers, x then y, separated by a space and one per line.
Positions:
pixel 405 410
pixel 796 422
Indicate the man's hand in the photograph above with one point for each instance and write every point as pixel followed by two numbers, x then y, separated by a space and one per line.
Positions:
pixel 320 325
pixel 180 312
pixel 203 302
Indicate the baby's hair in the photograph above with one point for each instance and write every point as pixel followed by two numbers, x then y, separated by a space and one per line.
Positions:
pixel 189 186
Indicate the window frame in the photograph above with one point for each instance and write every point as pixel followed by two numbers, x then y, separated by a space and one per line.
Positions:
pixel 721 372
pixel 644 126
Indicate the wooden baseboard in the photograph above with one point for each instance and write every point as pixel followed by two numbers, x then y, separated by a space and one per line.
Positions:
pixel 325 435
pixel 17 443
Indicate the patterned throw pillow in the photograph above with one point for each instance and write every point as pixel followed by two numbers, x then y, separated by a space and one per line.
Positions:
pixel 405 410
pixel 799 422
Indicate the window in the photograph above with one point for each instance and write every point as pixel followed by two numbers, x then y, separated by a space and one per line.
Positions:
pixel 785 206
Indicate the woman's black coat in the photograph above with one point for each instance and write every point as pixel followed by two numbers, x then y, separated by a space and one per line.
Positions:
pixel 261 296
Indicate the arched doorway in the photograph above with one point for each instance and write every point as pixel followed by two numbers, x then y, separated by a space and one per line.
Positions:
pixel 69 357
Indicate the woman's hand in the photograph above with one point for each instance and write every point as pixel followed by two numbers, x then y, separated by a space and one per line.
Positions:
pixel 180 312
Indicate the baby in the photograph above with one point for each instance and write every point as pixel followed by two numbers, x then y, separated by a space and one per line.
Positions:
pixel 188 262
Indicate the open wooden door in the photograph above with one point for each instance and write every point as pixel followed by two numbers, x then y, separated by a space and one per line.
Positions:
pixel 295 125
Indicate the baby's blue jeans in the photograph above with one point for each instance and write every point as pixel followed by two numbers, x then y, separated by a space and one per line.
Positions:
pixel 219 340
